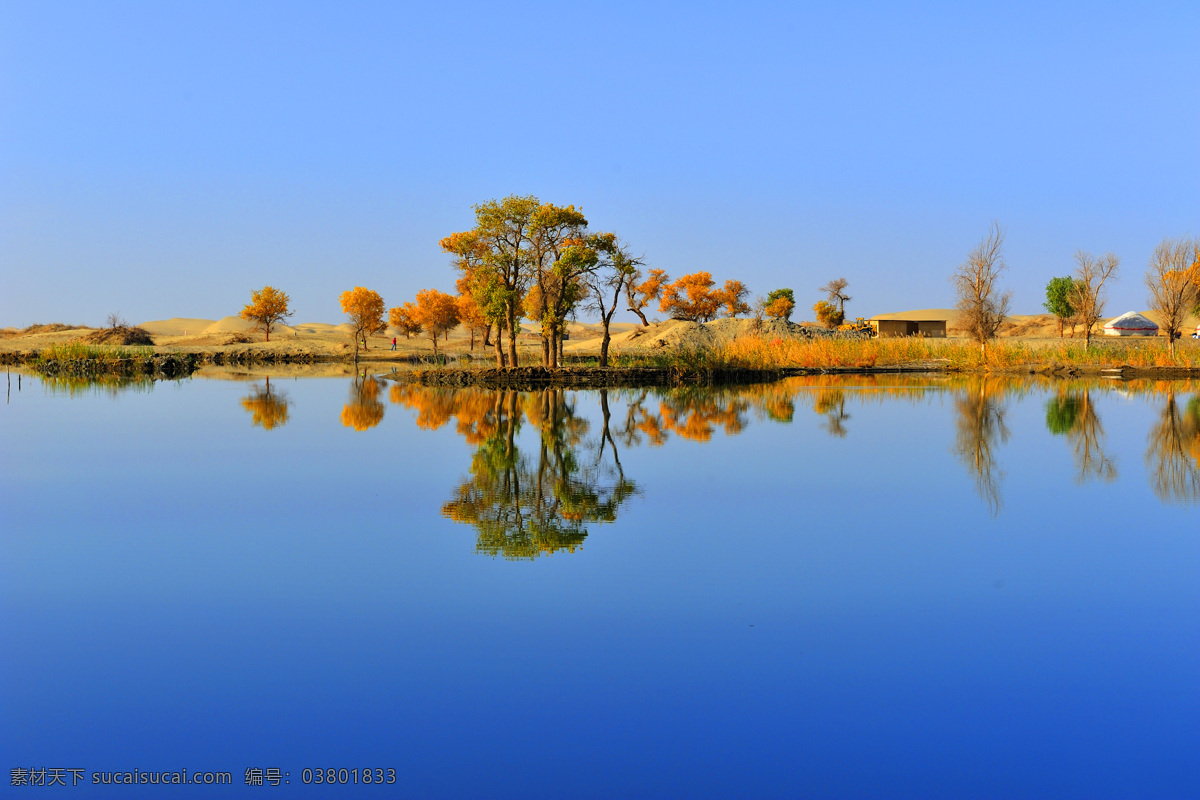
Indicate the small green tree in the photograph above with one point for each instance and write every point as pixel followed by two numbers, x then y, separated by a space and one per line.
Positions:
pixel 1058 302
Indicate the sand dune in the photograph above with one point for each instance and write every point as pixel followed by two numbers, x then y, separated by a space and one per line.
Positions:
pixel 177 326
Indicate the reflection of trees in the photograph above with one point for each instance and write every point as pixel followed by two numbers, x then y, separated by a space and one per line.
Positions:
pixel 832 404
pixel 524 508
pixel 269 409
pixel 1073 414
pixel 1173 454
pixel 981 428
pixel 364 409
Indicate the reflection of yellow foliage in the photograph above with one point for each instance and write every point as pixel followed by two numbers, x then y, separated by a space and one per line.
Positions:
pixel 473 409
pixel 364 409
pixel 269 411
pixel 695 418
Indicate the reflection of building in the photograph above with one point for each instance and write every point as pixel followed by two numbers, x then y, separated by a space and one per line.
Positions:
pixel 908 327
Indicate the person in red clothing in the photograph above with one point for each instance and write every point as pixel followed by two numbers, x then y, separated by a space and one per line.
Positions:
pixel 393 342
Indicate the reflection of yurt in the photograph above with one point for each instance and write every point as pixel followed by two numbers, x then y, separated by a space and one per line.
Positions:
pixel 1130 323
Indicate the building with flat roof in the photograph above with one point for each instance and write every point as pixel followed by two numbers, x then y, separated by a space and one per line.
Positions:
pixel 935 328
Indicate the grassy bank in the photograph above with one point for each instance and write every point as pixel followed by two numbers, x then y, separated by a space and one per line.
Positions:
pixel 83 360
pixel 1000 356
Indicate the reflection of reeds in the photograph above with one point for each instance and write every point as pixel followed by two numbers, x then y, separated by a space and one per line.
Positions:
pixel 108 383
pixel 1173 452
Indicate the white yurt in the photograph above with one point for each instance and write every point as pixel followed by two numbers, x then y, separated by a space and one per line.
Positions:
pixel 1130 323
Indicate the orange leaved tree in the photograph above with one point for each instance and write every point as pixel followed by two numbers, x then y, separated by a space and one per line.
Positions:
pixel 404 319
pixel 732 298
pixel 437 312
pixel 690 298
pixel 472 318
pixel 268 307
pixel 365 310
pixel 639 295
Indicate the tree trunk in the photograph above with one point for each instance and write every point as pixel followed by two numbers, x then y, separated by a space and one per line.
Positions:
pixel 487 335
pixel 512 337
pixel 561 362
pixel 499 349
pixel 604 348
pixel 641 316
pixel 554 349
pixel 545 350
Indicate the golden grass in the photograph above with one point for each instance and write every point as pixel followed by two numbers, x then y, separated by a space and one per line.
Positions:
pixel 763 353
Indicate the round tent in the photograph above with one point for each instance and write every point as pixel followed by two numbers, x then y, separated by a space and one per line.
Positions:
pixel 1130 323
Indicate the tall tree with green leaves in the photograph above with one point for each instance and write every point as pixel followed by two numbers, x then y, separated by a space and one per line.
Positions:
pixel 1058 301
pixel 560 258
pixel 498 255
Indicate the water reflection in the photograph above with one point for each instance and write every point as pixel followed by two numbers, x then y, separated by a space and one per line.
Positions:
pixel 1073 414
pixel 364 411
pixel 269 409
pixel 1173 453
pixel 980 429
pixel 111 385
pixel 831 403
pixel 524 505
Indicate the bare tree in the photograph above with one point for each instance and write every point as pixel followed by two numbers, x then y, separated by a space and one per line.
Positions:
pixel 1174 282
pixel 615 273
pixel 1087 295
pixel 835 290
pixel 982 307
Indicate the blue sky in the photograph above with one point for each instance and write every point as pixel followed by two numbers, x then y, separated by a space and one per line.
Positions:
pixel 164 159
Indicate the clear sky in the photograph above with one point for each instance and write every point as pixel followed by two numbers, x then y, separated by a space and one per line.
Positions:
pixel 164 159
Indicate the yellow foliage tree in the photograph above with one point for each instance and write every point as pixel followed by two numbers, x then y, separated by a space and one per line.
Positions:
pixel 639 295
pixel 365 310
pixel 732 298
pixel 690 298
pixel 780 308
pixel 404 319
pixel 437 312
pixel 268 307
pixel 472 317
pixel 828 314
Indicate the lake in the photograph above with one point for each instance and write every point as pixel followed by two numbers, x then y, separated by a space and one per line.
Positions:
pixel 859 587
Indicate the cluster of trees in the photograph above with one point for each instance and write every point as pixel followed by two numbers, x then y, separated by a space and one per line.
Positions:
pixel 526 259
pixel 1173 278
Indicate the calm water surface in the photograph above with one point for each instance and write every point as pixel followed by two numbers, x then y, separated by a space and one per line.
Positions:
pixel 821 588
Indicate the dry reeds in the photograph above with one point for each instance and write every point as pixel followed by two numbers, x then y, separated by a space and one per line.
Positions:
pixel 763 353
